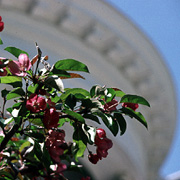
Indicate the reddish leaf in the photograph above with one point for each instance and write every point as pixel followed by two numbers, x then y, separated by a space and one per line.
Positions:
pixel 34 59
pixel 73 75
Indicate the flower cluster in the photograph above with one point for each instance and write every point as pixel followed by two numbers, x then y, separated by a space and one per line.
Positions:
pixel 51 116
pixel 103 145
pixel 56 145
pixel 37 103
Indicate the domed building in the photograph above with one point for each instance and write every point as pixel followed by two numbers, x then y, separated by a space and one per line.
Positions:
pixel 117 54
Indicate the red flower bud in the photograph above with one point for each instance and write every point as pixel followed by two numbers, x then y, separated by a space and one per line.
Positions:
pixel 1 24
pixel 100 133
pixel 111 106
pixel 133 106
pixel 93 158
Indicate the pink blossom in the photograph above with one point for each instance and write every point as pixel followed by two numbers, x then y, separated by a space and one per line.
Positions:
pixel 133 106
pixel 20 67
pixel 51 118
pixel 61 167
pixel 54 144
pixel 55 152
pixel 1 24
pixel 36 103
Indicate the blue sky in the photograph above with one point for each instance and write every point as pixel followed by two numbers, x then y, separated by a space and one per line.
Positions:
pixel 160 21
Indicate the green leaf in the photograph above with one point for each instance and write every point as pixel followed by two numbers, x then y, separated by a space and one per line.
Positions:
pixel 134 99
pixel 134 114
pixel 9 120
pixel 74 115
pixel 36 121
pixel 75 91
pixel 1 42
pixel 90 132
pixel 38 150
pixel 4 93
pixel 110 94
pixel 79 149
pixel 119 93
pixel 92 117
pixel 59 73
pixel 55 82
pixel 11 80
pixel 25 144
pixel 17 120
pixel 32 89
pixel 36 135
pixel 46 158
pixel 15 51
pixel 5 175
pixel 19 109
pixel 109 122
pixel 71 101
pixel 97 90
pixel 91 103
pixel 15 93
pixel 81 140
pixel 62 121
pixel 70 65
pixel 121 121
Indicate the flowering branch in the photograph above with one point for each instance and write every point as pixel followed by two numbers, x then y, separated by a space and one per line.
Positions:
pixel 33 143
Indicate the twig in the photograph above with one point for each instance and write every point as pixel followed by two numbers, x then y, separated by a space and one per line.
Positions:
pixel 9 135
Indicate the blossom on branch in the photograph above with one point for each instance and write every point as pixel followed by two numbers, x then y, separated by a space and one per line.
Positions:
pixel 55 145
pixel 20 67
pixel 36 103
pixel 51 118
pixel 103 145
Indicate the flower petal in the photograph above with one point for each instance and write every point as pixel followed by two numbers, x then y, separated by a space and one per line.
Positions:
pixel 14 67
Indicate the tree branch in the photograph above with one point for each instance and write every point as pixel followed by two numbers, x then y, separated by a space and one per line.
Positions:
pixel 8 136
